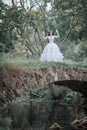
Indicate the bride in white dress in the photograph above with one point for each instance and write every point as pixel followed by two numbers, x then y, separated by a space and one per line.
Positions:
pixel 51 51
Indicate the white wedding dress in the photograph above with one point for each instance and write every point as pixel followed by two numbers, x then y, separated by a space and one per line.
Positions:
pixel 51 52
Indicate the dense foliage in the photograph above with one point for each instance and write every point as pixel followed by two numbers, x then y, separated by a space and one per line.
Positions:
pixel 72 17
pixel 20 23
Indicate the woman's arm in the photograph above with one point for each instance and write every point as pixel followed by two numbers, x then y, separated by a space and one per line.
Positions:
pixel 44 37
pixel 57 36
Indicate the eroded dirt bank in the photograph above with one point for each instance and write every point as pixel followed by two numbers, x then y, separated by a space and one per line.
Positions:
pixel 14 80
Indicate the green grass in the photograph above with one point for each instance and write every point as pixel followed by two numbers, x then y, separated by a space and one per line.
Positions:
pixel 35 63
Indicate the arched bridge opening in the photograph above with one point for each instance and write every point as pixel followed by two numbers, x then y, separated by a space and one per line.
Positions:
pixel 76 85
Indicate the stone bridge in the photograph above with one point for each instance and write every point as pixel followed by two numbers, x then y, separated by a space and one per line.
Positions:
pixel 72 77
pixel 14 81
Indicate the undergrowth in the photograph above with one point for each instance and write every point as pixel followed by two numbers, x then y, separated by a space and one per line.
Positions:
pixel 35 63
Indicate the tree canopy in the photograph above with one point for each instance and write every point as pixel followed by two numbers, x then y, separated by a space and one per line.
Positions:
pixel 27 20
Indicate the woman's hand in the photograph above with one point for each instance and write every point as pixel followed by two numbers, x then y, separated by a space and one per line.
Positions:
pixel 44 37
pixel 43 33
pixel 57 33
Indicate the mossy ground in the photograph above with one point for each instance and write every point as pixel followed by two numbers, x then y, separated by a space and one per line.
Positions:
pixel 35 63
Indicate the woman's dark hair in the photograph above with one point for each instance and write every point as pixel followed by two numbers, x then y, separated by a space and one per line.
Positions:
pixel 49 33
pixel 52 33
